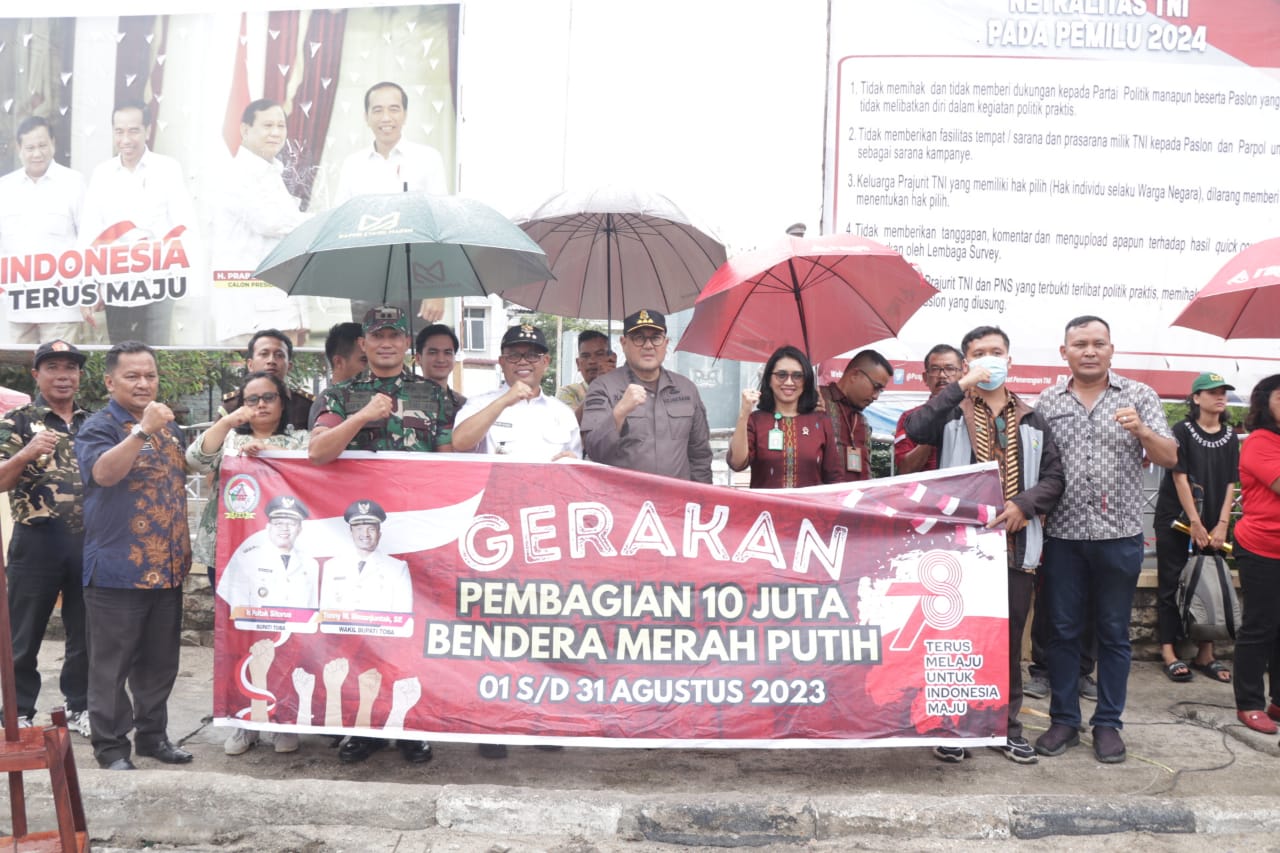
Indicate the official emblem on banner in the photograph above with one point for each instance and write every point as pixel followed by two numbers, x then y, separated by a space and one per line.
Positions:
pixel 241 496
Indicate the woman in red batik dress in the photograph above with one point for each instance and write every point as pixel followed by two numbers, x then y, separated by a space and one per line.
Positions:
pixel 779 435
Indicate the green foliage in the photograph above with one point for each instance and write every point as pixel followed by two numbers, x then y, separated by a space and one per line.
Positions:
pixel 1175 412
pixel 881 457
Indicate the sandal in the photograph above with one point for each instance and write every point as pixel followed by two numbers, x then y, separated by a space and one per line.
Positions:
pixel 1177 671
pixel 1214 669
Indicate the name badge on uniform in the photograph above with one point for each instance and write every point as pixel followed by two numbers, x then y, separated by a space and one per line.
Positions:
pixel 852 460
pixel 775 439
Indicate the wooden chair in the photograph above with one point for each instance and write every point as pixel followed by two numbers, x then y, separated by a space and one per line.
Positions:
pixel 36 748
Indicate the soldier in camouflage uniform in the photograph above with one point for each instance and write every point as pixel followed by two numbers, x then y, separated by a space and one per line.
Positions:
pixel 387 407
pixel 46 556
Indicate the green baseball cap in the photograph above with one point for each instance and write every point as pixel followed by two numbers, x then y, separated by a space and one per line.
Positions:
pixel 1209 381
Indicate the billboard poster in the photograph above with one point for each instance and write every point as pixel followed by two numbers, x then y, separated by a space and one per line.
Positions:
pixel 437 597
pixel 151 161
pixel 1045 159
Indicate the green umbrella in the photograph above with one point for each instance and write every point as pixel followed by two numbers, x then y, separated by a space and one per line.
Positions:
pixel 399 247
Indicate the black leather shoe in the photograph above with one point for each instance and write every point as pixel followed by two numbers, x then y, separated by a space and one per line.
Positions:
pixel 492 750
pixel 357 749
pixel 415 751
pixel 166 752
pixel 120 764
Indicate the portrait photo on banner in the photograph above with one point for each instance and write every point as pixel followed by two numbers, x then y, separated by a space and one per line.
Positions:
pixel 150 162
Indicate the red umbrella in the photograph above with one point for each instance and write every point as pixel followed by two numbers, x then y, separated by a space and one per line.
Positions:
pixel 1243 299
pixel 827 295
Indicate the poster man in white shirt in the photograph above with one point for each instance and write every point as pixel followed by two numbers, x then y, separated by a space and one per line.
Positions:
pixel 39 212
pixel 253 213
pixel 369 580
pixel 139 195
pixel 274 574
pixel 518 419
pixel 392 164
pixel 366 579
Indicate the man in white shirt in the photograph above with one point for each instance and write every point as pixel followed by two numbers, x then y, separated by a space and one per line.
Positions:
pixel 253 213
pixel 147 191
pixel 518 419
pixel 40 207
pixel 392 164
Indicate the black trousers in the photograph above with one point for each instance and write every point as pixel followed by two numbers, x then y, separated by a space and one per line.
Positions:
pixel 133 642
pixel 1021 585
pixel 1258 638
pixel 45 561
pixel 1171 558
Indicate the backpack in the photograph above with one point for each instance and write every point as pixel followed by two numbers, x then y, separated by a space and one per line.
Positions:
pixel 1207 602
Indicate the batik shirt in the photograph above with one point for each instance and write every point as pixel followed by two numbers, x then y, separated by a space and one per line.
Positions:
pixel 422 420
pixel 136 534
pixel 47 488
pixel 1101 459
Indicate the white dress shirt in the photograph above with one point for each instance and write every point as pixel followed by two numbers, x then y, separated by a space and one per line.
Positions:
pixel 36 216
pixel 366 171
pixel 254 211
pixel 530 430
pixel 368 582
pixel 259 576
pixel 152 195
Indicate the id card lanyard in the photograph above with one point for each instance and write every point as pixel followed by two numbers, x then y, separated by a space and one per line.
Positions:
pixel 775 434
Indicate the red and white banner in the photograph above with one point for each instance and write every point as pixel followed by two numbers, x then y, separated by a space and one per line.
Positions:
pixel 609 608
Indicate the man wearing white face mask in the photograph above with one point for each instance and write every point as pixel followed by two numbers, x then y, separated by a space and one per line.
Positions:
pixel 977 419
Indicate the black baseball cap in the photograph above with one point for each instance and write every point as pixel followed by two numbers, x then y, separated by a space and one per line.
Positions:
pixel 525 334
pixel 49 349
pixel 644 319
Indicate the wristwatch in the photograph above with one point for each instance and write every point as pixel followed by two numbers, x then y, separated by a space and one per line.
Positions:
pixel 137 432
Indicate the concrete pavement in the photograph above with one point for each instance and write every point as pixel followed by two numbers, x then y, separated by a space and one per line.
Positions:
pixel 1192 770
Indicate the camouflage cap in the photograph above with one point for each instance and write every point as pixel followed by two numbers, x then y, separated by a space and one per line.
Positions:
pixel 385 317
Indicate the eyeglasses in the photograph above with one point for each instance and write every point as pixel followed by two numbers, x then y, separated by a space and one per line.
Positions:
pixel 255 399
pixel 782 376
pixel 875 386
pixel 939 371
pixel 643 341
pixel 522 357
